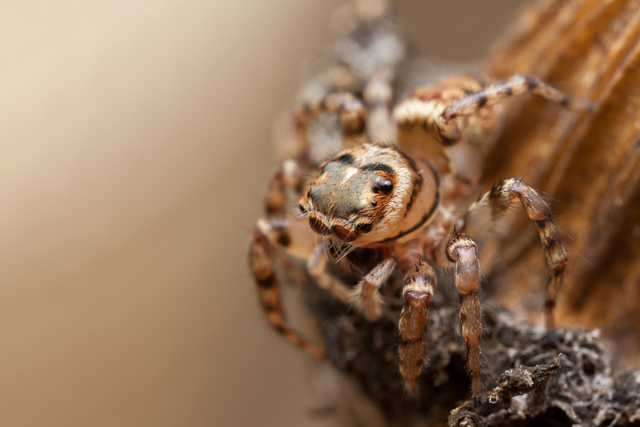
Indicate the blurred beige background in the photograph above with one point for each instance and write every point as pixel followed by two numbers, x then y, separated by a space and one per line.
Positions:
pixel 135 138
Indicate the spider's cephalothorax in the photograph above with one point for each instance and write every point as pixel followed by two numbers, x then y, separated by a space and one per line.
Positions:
pixel 403 202
pixel 371 195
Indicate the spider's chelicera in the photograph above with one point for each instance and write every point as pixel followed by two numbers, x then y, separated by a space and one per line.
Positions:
pixel 405 202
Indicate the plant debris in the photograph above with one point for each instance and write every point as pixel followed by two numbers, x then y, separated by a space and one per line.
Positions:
pixel 564 379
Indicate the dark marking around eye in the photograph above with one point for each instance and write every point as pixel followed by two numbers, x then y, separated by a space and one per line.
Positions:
pixel 378 167
pixel 302 209
pixel 346 158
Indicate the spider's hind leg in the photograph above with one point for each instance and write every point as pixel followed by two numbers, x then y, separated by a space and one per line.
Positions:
pixel 351 113
pixel 378 97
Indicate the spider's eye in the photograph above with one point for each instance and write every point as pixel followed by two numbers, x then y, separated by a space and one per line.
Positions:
pixel 374 203
pixel 384 186
pixel 364 227
pixel 343 234
pixel 318 226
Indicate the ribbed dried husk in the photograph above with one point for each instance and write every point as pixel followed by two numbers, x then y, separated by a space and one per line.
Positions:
pixel 586 164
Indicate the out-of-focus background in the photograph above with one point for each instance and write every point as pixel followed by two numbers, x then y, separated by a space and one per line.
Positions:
pixel 135 139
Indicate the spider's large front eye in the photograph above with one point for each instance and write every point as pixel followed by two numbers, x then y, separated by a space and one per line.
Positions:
pixel 343 234
pixel 318 226
pixel 385 186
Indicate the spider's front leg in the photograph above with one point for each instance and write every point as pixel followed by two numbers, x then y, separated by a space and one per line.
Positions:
pixel 270 238
pixel 464 252
pixel 418 290
pixel 262 246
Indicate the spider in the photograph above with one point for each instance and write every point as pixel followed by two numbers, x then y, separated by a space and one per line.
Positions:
pixel 398 201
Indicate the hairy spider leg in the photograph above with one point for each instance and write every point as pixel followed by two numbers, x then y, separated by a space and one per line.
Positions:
pixel 445 110
pixel 366 294
pixel 351 113
pixel 261 266
pixel 378 96
pixel 288 175
pixel 418 290
pixel 493 206
pixel 493 93
pixel 464 252
pixel 269 239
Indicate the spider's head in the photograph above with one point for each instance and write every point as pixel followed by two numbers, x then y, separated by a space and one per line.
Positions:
pixel 370 194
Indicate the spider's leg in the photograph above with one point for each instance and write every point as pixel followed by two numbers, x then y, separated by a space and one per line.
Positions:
pixel 378 96
pixel 351 112
pixel 287 175
pixel 418 290
pixel 491 94
pixel 424 107
pixel 261 244
pixel 492 207
pixel 316 265
pixel 366 294
pixel 450 108
pixel 463 251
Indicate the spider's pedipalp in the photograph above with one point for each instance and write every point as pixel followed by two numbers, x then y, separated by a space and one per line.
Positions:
pixel 316 265
pixel 494 205
pixel 366 294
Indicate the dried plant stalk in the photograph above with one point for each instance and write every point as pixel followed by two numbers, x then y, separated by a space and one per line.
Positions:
pixel 587 165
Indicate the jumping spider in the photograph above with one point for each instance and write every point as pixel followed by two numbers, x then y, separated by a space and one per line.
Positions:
pixel 378 206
